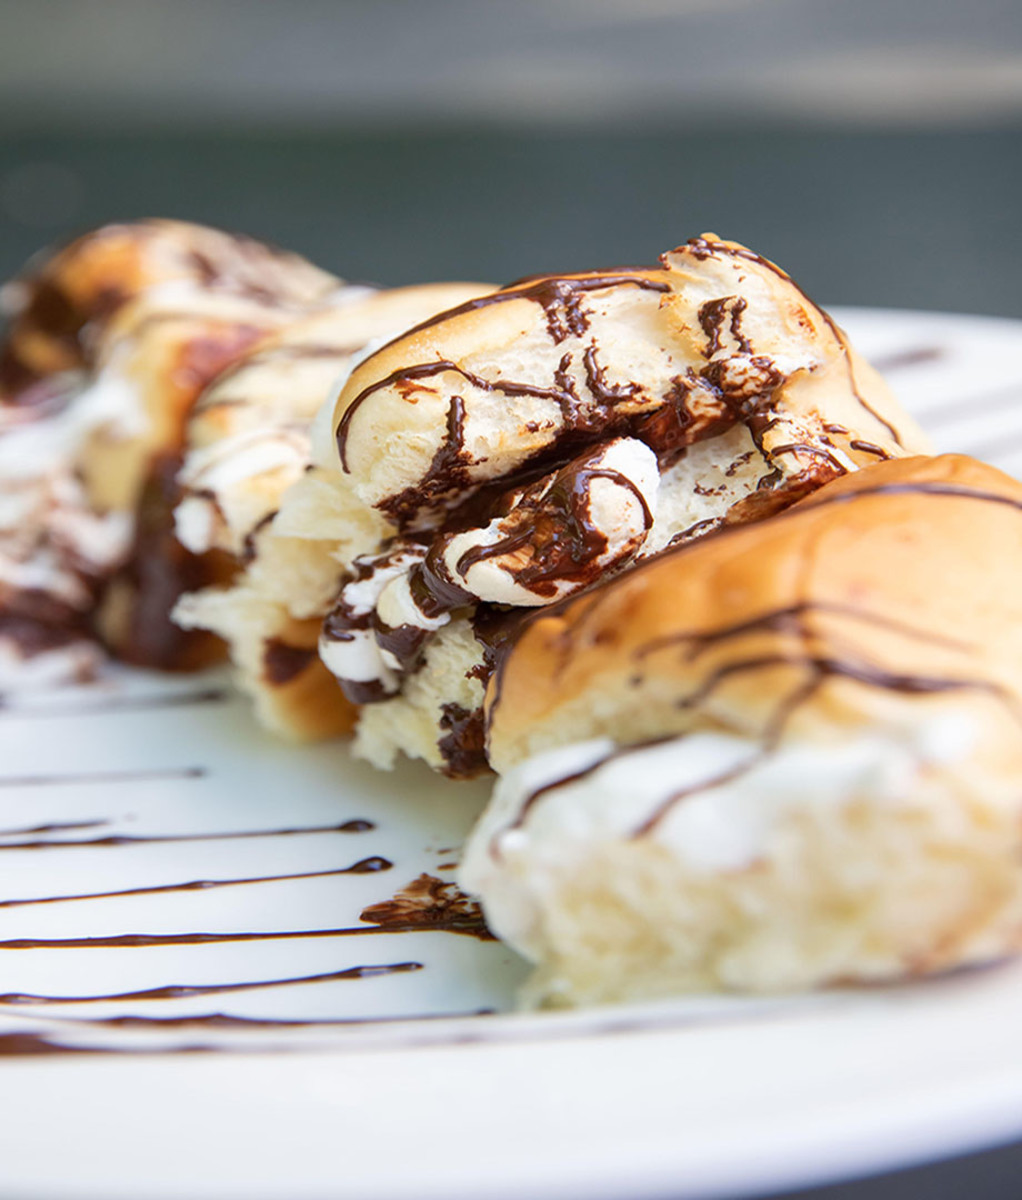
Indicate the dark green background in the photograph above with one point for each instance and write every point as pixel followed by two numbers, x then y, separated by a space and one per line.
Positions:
pixel 925 219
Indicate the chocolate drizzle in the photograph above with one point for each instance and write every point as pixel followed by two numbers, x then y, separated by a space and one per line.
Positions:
pixel 364 866
pixel 869 448
pixel 77 777
pixel 183 991
pixel 789 619
pixel 248 546
pixel 555 539
pixel 900 360
pixel 206 938
pixel 545 789
pixel 813 452
pixel 125 839
pixel 463 742
pixel 435 907
pixel 561 302
pixel 558 296
pixel 404 376
pixel 712 316
pixel 56 319
pixel 429 903
pixel 596 381
pixel 700 248
pixel 35 622
pixel 158 572
pixel 282 662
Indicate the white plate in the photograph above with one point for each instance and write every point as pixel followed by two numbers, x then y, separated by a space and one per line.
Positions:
pixel 400 1088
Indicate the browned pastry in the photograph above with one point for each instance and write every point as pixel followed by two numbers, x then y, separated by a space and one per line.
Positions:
pixel 63 300
pixel 786 755
pixel 110 341
pixel 534 440
pixel 250 467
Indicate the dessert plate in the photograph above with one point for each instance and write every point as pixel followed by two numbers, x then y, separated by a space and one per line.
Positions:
pixel 231 967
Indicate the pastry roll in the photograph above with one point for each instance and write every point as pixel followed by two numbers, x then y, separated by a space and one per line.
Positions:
pixel 532 441
pixel 785 756
pixel 251 491
pixel 110 340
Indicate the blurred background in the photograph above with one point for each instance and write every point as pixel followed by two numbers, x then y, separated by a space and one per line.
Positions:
pixel 872 147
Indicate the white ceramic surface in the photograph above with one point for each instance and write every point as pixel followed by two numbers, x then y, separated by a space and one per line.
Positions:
pixel 419 1082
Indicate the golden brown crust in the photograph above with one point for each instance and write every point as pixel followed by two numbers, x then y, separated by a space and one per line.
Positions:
pixel 491 320
pixel 269 400
pixel 64 300
pixel 674 354
pixel 300 697
pixel 143 316
pixel 895 585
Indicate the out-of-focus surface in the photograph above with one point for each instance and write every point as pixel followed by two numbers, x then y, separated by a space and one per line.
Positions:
pixel 917 219
pixel 360 62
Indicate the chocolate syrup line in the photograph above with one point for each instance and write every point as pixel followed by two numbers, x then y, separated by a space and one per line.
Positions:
pixel 119 704
pixel 899 360
pixel 574 777
pixel 869 448
pixel 707 785
pixel 574 547
pixel 33 1043
pixel 209 939
pixel 967 407
pixel 603 591
pixel 547 291
pixel 821 667
pixel 52 827
pixel 786 620
pixel 948 490
pixel 596 380
pixel 84 777
pixel 813 451
pixel 37 1045
pixel 427 370
pixel 700 248
pixel 364 866
pixel 182 991
pixel 699 527
pixel 770 741
pixel 711 319
pixel 125 839
pixel 859 672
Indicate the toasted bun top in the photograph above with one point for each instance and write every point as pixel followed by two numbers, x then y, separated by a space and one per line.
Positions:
pixel 62 299
pixel 248 435
pixel 890 588
pixel 669 354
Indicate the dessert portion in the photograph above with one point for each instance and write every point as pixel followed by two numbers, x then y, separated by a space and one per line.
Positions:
pixel 253 484
pixel 532 441
pixel 785 756
pixel 110 340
